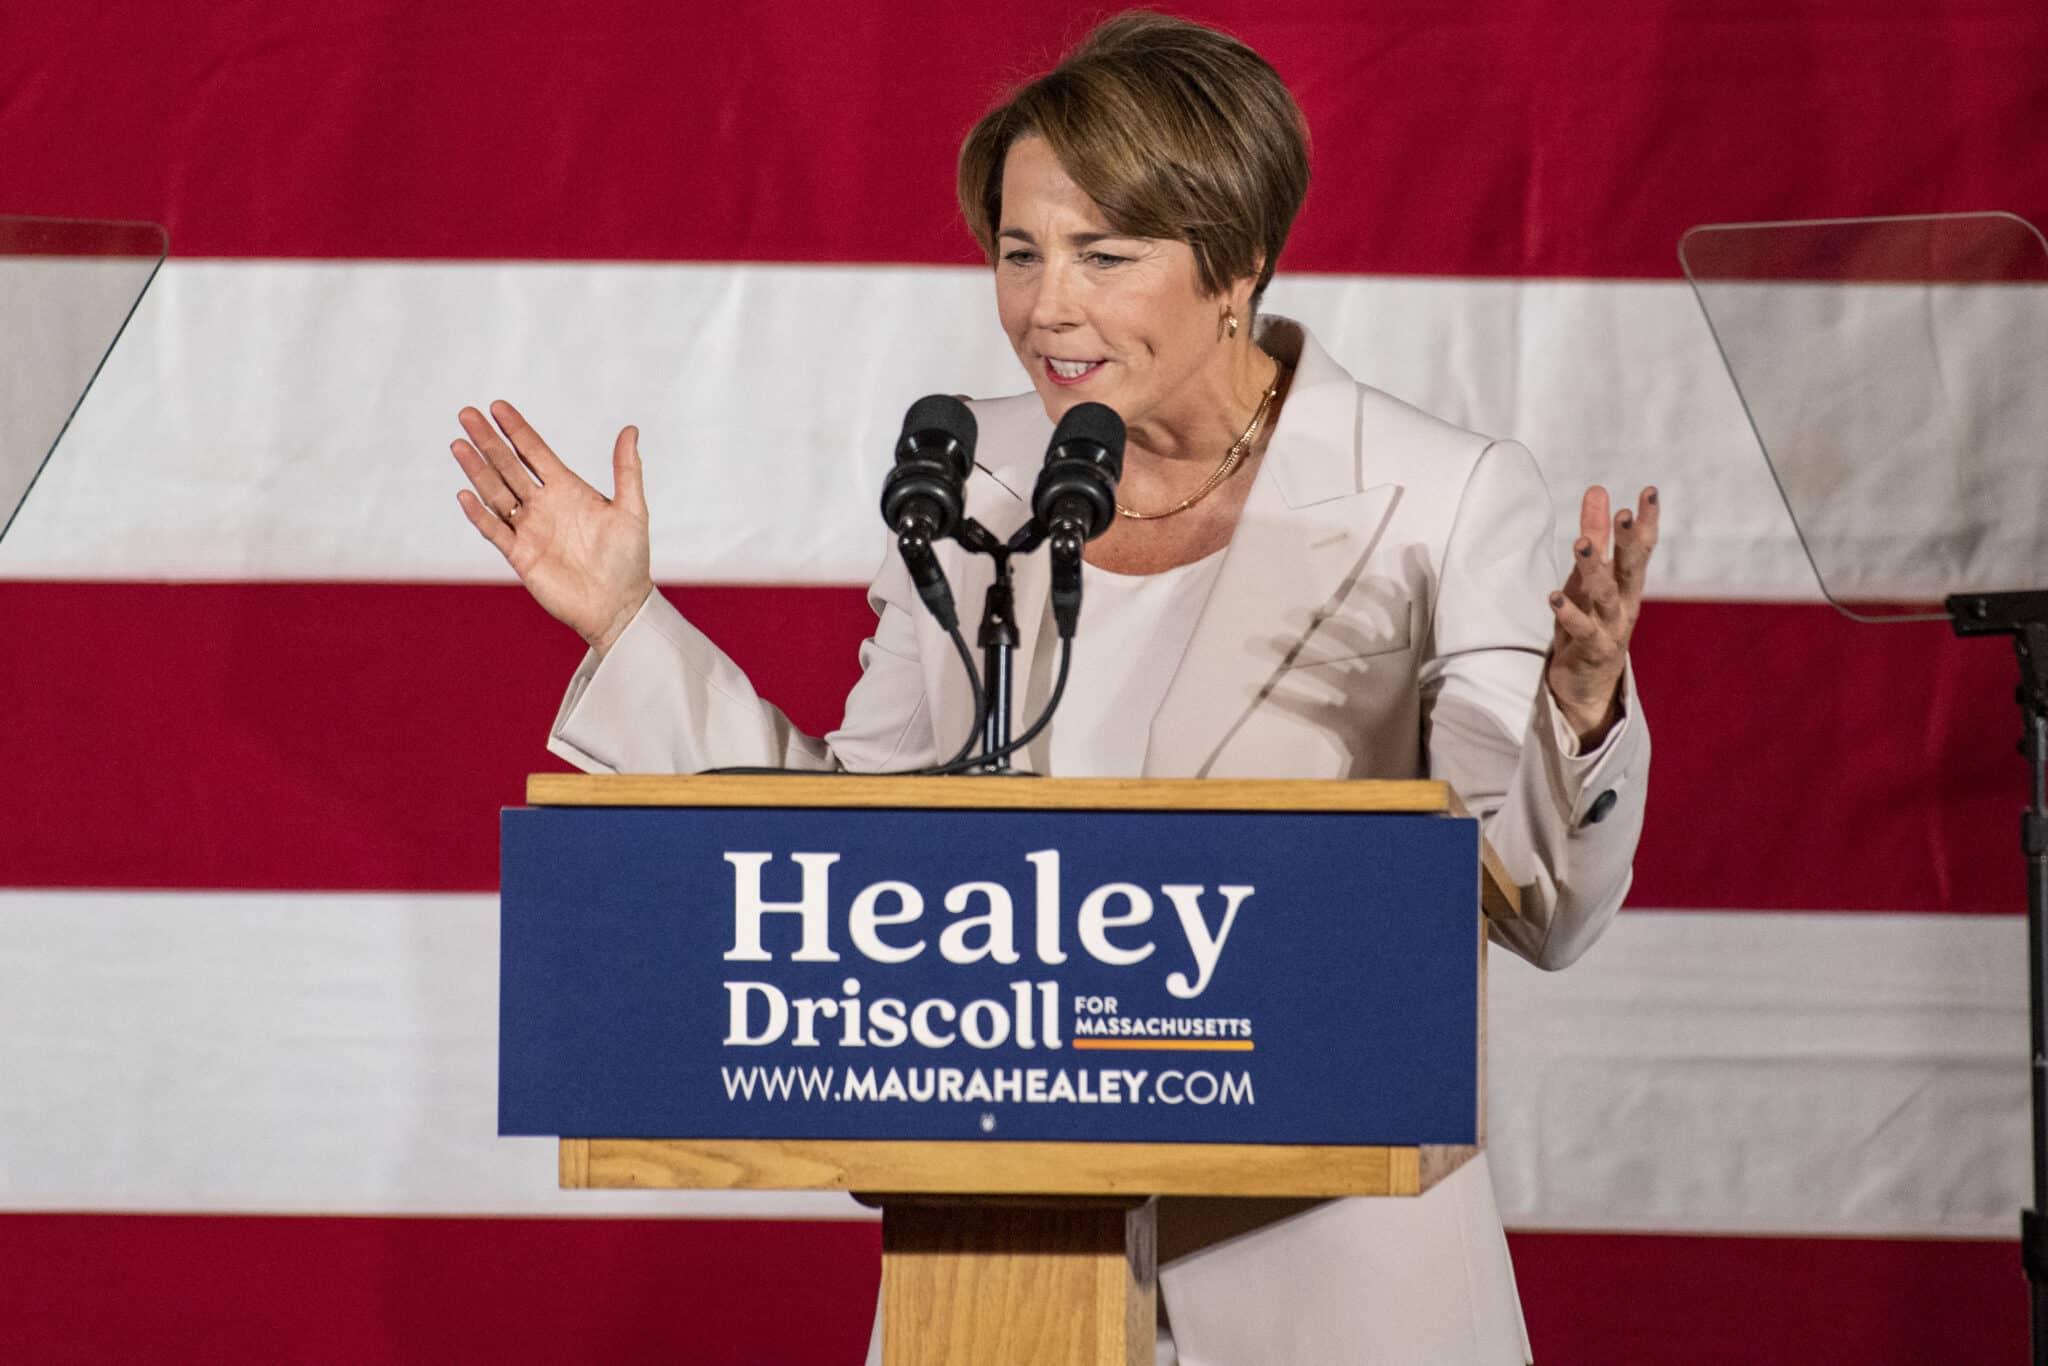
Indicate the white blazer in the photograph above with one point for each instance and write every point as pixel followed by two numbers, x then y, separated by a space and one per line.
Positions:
pixel 1379 613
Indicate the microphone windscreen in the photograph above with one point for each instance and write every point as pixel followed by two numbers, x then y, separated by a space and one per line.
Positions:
pixel 936 418
pixel 1096 422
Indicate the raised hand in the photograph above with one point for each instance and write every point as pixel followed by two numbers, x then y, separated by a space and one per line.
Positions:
pixel 582 555
pixel 1596 612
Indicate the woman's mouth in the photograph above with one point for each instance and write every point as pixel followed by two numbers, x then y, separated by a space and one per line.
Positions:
pixel 1070 371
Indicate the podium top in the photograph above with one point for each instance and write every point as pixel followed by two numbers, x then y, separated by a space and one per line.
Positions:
pixel 1419 796
pixel 1500 897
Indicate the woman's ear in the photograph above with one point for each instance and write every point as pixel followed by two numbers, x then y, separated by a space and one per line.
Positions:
pixel 1242 290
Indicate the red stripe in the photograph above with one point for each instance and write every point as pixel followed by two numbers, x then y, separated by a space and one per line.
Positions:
pixel 1523 138
pixel 1969 249
pixel 1975 248
pixel 69 237
pixel 97 1288
pixel 100 1289
pixel 1595 1299
pixel 363 736
pixel 317 736
pixel 1806 762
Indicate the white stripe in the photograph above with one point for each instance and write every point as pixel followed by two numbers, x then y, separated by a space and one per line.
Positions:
pixel 275 420
pixel 1703 1071
pixel 1767 1072
pixel 274 1053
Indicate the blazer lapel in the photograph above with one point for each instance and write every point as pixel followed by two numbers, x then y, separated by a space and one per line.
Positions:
pixel 1289 591
pixel 1286 596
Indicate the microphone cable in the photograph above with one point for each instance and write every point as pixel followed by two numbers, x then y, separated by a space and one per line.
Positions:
pixel 980 714
pixel 922 499
pixel 961 764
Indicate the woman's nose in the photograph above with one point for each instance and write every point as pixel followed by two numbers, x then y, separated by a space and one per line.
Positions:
pixel 1052 306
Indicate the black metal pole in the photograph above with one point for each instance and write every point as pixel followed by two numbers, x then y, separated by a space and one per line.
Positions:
pixel 998 640
pixel 2024 617
pixel 2034 841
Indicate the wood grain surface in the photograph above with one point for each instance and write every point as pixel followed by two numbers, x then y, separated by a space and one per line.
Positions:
pixel 990 794
pixel 970 1168
pixel 1046 1283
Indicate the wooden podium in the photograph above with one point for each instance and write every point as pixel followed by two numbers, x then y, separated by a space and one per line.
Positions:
pixel 997 1250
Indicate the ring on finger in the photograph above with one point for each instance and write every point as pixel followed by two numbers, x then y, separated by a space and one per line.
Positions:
pixel 514 510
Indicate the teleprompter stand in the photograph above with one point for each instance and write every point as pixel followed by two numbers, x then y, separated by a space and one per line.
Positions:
pixel 2024 617
pixel 1888 369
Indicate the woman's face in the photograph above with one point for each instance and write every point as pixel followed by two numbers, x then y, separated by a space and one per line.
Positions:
pixel 1093 316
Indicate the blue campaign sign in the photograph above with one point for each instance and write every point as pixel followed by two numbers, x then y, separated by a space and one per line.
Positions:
pixel 887 974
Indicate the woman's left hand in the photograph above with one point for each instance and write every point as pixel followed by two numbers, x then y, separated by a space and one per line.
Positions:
pixel 1596 613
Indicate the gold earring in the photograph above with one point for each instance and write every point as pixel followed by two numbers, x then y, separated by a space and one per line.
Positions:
pixel 1230 321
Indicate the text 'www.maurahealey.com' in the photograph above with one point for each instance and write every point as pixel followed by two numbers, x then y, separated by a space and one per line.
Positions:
pixel 989 1085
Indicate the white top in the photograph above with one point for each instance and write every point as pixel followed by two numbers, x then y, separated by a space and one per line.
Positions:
pixel 1134 629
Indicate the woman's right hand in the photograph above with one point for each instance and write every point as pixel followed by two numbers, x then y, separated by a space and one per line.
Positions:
pixel 582 555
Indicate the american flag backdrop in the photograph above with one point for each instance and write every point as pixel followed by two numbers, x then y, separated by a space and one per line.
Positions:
pixel 264 690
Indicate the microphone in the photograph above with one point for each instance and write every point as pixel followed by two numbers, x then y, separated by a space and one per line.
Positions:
pixel 926 492
pixel 1075 499
pixel 924 497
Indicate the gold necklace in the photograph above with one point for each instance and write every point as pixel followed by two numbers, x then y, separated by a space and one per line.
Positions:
pixel 1231 458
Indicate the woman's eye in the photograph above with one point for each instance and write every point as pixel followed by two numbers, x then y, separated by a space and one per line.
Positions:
pixel 1103 258
pixel 1019 257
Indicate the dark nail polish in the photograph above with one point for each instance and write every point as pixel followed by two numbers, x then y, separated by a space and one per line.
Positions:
pixel 1625 521
pixel 1650 498
pixel 1585 552
pixel 1556 600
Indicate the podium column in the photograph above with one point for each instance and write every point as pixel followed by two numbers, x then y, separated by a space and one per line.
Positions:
pixel 1027 1281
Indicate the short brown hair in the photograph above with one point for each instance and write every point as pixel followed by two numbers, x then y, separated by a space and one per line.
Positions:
pixel 1175 130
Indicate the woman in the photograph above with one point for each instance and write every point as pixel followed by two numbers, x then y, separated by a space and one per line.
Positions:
pixel 1308 579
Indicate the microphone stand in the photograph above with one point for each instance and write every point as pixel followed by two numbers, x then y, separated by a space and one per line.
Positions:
pixel 998 637
pixel 2024 617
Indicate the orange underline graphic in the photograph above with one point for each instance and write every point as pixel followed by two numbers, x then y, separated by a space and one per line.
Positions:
pixel 1167 1045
